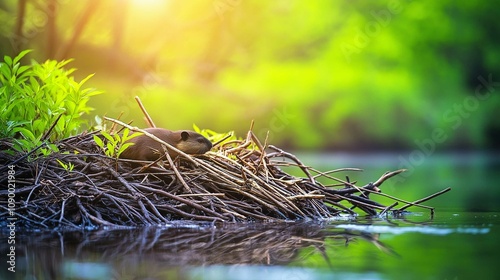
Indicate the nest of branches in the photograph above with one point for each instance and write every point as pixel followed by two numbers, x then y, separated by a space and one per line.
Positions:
pixel 241 180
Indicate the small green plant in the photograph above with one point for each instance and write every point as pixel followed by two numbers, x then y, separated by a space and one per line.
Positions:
pixel 34 97
pixel 68 167
pixel 222 138
pixel 115 144
pixel 215 137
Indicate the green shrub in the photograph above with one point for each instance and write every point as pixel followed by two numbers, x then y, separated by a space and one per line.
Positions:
pixel 33 97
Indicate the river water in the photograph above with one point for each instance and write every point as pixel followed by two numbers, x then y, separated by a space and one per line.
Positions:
pixel 460 241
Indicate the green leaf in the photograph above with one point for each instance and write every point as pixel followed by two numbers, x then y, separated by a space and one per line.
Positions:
pixel 61 124
pixel 64 165
pixel 110 149
pixel 98 141
pixel 5 71
pixel 45 151
pixel 123 148
pixel 125 134
pixel 53 147
pixel 14 69
pixel 196 128
pixel 133 135
pixel 107 136
pixel 64 63
pixel 28 135
pixel 39 125
pixel 85 79
pixel 34 84
pixel 23 145
pixel 8 60
pixel 23 69
pixel 21 55
pixel 92 92
pixel 125 137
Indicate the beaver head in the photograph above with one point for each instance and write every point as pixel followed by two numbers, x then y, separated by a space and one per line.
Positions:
pixel 191 142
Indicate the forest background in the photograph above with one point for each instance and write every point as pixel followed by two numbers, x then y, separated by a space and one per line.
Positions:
pixel 318 75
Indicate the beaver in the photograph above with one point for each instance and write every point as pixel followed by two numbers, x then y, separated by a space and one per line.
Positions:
pixel 145 148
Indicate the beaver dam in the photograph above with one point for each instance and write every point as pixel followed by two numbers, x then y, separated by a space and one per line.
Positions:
pixel 237 181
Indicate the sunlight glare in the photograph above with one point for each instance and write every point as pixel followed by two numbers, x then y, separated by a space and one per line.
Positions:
pixel 149 3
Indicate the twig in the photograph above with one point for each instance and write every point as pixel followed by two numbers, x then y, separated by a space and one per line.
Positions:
pixel 149 120
pixel 388 208
pixel 47 133
pixel 416 202
pixel 387 176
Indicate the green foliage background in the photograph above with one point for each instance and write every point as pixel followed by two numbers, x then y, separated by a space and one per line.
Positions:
pixel 316 74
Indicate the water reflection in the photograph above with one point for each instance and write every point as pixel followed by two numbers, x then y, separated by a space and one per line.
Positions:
pixel 410 247
pixel 117 253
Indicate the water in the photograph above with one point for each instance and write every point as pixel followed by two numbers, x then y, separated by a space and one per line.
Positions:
pixel 458 242
pixel 452 245
pixel 473 177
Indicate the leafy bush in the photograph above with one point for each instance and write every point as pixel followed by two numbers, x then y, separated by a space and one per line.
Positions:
pixel 35 97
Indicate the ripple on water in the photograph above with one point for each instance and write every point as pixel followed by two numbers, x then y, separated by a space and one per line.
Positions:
pixel 414 229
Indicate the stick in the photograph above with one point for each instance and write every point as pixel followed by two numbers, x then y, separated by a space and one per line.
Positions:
pixel 149 120
pixel 388 208
pixel 424 199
